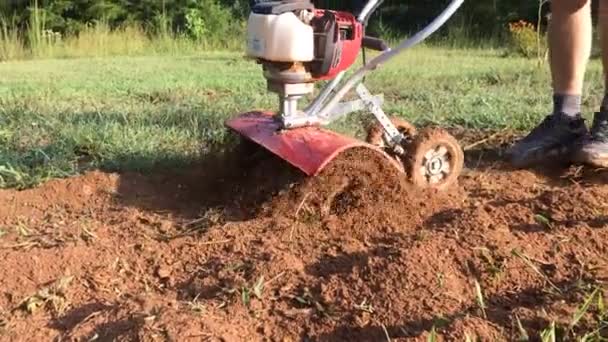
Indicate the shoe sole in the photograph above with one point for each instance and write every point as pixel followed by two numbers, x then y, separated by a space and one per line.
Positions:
pixel 538 157
pixel 591 159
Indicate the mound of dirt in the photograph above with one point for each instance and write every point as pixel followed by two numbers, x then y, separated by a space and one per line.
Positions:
pixel 233 251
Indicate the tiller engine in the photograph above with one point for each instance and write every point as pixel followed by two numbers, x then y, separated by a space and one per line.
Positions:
pixel 299 45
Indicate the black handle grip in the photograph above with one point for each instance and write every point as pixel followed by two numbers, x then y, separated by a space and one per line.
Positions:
pixel 374 43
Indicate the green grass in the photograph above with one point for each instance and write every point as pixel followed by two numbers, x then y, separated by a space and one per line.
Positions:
pixel 61 116
pixel 100 40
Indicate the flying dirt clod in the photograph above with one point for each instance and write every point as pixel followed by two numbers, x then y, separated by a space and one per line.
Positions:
pixel 299 45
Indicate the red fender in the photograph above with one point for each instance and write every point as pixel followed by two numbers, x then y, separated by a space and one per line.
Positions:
pixel 309 149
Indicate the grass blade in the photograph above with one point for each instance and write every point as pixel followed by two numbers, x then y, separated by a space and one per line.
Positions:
pixel 592 336
pixel 523 334
pixel 245 296
pixel 548 335
pixel 432 336
pixel 582 310
pixel 601 308
pixel 529 262
pixel 480 300
pixel 258 288
pixel 388 337
pixel 543 221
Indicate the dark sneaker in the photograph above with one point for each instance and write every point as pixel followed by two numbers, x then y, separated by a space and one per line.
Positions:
pixel 555 137
pixel 594 149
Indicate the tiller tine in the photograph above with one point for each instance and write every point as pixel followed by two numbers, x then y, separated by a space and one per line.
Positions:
pixel 309 149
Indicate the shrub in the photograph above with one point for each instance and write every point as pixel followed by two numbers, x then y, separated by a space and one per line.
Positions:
pixel 210 21
pixel 11 44
pixel 525 39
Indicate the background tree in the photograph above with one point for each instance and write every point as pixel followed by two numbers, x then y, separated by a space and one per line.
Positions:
pixel 479 19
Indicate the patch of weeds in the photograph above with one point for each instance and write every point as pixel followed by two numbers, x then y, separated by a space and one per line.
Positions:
pixel 23 230
pixel 305 213
pixel 594 307
pixel 365 307
pixel 494 265
pixel 592 312
pixel 161 96
pixel 24 177
pixel 246 296
pixel 5 136
pixel 12 177
pixel 88 151
pixel 247 292
pixel 549 334
pixel 305 298
pixel 240 269
pixel 582 310
pixel 52 296
pixel 211 217
pixel 308 300
pixel 309 216
pixel 88 235
pixel 420 235
pixel 257 290
pixel 27 238
pixel 440 322
pixel 544 220
pixel 528 261
pixel 440 280
pixel 195 306
pixel 236 266
pixel 594 336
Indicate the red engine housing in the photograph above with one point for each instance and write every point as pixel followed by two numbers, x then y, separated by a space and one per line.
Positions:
pixel 338 37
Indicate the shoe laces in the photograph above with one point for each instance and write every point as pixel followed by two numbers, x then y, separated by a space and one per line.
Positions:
pixel 548 123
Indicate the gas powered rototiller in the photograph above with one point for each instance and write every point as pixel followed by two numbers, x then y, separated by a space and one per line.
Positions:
pixel 298 45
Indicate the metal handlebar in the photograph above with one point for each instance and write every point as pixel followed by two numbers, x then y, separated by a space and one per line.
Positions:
pixel 385 56
pixel 367 11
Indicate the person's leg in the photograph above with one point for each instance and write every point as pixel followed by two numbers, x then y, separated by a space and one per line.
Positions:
pixel 570 37
pixel 595 149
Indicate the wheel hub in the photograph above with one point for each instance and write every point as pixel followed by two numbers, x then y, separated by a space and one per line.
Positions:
pixel 436 164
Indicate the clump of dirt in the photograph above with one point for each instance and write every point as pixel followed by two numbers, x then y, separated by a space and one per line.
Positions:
pixel 237 251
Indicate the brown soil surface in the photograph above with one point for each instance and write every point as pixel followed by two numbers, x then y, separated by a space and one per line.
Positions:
pixel 257 253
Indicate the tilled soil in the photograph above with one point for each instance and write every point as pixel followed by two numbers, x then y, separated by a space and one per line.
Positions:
pixel 227 252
